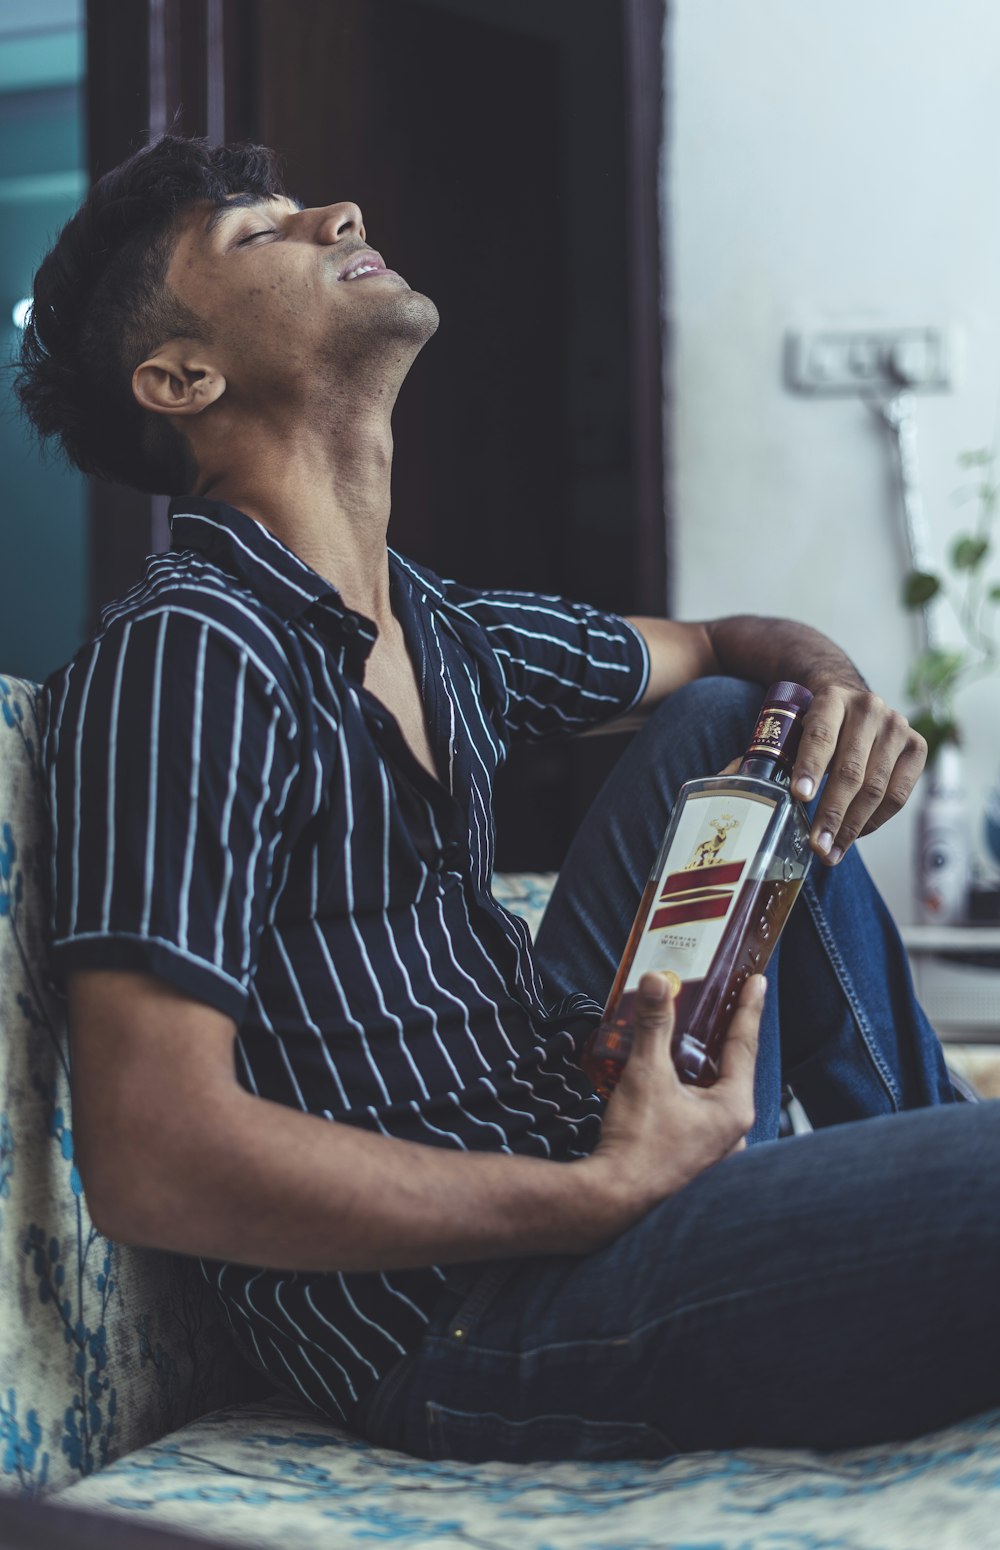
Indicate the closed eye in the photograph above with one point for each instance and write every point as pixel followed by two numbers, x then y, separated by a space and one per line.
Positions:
pixel 243 240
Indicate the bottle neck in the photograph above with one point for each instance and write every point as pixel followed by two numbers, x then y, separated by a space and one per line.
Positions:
pixel 766 767
pixel 771 752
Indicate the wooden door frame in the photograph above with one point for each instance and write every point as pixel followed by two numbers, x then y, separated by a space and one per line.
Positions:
pixel 153 66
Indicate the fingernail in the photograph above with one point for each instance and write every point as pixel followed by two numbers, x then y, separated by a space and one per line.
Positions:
pixel 825 841
pixel 653 987
pixel 805 786
pixel 836 854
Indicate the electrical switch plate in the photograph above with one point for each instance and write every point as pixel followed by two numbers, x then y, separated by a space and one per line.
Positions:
pixel 871 359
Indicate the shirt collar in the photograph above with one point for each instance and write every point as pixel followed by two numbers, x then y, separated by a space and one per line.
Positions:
pixel 245 548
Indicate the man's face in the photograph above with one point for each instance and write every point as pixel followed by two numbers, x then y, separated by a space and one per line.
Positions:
pixel 296 301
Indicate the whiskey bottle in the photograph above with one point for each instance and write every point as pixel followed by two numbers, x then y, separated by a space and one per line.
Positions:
pixel 733 859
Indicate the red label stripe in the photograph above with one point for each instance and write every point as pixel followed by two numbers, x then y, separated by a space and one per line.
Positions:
pixel 684 910
pixel 702 877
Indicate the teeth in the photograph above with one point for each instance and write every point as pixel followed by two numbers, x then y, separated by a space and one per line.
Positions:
pixel 364 269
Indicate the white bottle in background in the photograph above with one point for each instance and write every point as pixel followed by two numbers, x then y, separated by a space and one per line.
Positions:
pixel 991 823
pixel 943 842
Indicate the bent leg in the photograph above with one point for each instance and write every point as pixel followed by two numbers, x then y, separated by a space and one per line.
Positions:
pixel 833 1290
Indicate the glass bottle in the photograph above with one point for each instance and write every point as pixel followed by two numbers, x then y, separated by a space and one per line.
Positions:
pixel 731 865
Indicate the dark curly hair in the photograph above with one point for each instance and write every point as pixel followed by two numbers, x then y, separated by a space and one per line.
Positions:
pixel 101 305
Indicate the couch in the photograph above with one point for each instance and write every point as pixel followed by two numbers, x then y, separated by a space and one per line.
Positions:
pixel 121 1391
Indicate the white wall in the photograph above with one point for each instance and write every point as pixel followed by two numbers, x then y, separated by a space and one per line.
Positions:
pixel 831 162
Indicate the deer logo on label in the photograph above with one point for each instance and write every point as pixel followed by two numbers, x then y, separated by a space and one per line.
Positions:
pixel 707 853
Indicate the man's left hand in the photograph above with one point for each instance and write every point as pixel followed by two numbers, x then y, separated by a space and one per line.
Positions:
pixel 871 757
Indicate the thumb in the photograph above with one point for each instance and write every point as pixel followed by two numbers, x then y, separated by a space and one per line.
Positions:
pixel 654 1014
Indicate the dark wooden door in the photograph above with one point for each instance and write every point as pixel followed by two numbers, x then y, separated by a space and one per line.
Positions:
pixel 504 153
pixel 505 158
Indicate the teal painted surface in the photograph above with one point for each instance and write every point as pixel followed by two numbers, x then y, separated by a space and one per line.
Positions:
pixel 43 537
pixel 46 59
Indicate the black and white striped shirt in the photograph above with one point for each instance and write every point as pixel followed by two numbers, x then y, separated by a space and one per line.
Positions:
pixel 233 812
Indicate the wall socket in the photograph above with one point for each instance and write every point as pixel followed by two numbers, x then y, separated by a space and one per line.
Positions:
pixel 871 359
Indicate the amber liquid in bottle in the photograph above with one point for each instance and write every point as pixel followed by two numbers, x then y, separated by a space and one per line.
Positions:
pixel 731 865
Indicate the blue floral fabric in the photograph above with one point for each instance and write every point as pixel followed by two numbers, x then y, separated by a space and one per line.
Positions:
pixel 102 1348
pixel 525 894
pixel 270 1476
pixel 113 1359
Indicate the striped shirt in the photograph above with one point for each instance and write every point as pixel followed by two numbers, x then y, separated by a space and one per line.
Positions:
pixel 236 814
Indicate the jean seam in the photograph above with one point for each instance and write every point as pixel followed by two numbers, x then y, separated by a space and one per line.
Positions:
pixel 785 1283
pixel 842 973
pixel 439 1416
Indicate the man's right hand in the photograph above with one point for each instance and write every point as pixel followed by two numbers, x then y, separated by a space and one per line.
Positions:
pixel 659 1133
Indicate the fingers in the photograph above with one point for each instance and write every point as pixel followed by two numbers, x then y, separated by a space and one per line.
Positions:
pixel 873 758
pixel 820 731
pixel 899 787
pixel 738 1064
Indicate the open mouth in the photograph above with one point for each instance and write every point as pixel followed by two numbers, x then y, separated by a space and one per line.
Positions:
pixel 366 263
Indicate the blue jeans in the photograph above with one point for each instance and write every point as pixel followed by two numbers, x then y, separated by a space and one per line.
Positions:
pixel 826 1290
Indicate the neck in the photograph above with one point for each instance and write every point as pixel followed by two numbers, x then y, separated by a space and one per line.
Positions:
pixel 326 495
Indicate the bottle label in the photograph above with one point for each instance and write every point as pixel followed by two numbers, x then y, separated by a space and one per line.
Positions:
pixel 718 835
pixel 777 733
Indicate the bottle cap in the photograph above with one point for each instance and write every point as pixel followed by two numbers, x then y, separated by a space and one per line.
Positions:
pixel 788 696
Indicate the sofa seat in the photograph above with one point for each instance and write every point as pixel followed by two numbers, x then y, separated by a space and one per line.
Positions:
pixel 270 1475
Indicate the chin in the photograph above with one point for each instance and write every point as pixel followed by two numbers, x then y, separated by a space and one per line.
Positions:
pixel 420 313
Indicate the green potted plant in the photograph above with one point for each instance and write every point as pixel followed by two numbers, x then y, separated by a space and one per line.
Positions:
pixel 970 587
pixel 965 584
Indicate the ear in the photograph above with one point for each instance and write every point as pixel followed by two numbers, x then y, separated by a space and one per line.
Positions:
pixel 178 379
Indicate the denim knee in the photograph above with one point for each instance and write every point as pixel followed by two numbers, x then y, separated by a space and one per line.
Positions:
pixel 717 715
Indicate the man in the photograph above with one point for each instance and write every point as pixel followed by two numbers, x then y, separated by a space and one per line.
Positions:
pixel 310 1048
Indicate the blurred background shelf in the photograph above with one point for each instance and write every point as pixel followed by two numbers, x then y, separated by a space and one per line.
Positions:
pixel 957 974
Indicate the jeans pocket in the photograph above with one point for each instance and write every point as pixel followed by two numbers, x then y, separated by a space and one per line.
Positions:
pixel 482 1437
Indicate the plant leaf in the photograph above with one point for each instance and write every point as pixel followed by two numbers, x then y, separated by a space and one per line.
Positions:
pixel 919 587
pixel 936 730
pixel 934 674
pixel 969 553
pixel 980 457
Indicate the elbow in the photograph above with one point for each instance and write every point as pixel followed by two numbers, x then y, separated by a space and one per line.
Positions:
pixel 107 1221
pixel 115 1211
pixel 128 1199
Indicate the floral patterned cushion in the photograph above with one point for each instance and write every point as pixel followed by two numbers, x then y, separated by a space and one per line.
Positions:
pixel 524 893
pixel 102 1348
pixel 271 1476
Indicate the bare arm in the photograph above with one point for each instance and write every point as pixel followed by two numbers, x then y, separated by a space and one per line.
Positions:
pixel 174 1154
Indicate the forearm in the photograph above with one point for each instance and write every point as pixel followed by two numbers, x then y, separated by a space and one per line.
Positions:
pixel 764 650
pixel 271 1186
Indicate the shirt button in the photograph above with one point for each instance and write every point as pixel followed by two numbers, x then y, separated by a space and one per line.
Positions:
pixel 350 624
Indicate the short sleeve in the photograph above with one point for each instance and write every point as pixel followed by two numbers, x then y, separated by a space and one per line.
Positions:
pixel 566 666
pixel 170 753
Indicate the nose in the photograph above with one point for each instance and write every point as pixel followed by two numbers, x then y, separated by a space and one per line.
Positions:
pixel 339 221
